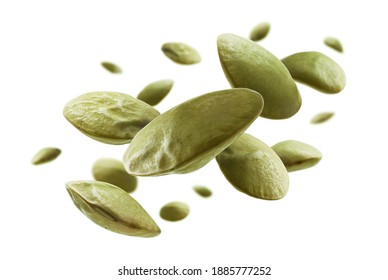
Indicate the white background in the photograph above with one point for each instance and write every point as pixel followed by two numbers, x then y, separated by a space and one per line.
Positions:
pixel 332 223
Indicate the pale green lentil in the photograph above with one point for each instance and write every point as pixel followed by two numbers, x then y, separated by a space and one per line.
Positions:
pixel 45 155
pixel 188 136
pixel 155 92
pixel 174 211
pixel 260 31
pixel 202 191
pixel 112 171
pixel 322 117
pixel 297 155
pixel 111 67
pixel 109 117
pixel 248 65
pixel 254 168
pixel 316 70
pixel 181 53
pixel 112 208
pixel 333 43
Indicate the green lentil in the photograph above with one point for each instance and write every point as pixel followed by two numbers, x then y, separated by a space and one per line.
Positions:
pixel 248 65
pixel 109 117
pixel 202 191
pixel 45 155
pixel 254 168
pixel 188 136
pixel 155 92
pixel 333 43
pixel 174 211
pixel 297 155
pixel 260 31
pixel 112 208
pixel 316 70
pixel 181 53
pixel 112 171
pixel 322 117
pixel 111 67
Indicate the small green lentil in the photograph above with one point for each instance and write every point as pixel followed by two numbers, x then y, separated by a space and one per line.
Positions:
pixel 111 67
pixel 174 211
pixel 322 117
pixel 333 43
pixel 181 53
pixel 202 191
pixel 45 155
pixel 260 31
pixel 155 92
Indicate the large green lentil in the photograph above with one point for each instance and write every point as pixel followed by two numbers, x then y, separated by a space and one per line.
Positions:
pixel 248 65
pixel 109 117
pixel 254 168
pixel 112 208
pixel 188 136
pixel 316 70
